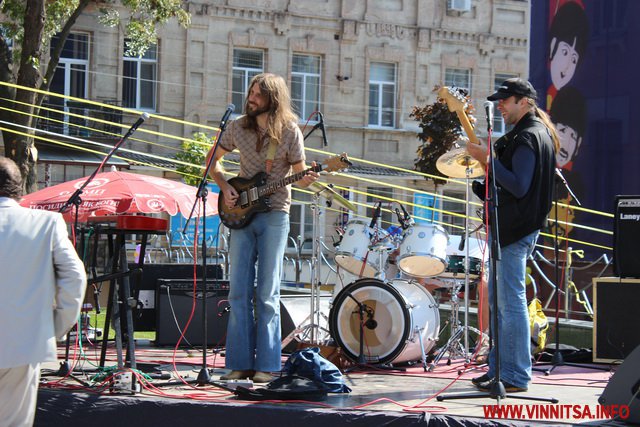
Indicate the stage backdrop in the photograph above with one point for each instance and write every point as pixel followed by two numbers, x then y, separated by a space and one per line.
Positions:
pixel 584 64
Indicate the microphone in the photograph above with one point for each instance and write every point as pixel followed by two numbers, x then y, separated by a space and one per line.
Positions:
pixel 461 245
pixel 371 322
pixel 407 218
pixel 225 117
pixel 488 109
pixel 400 219
pixel 376 215
pixel 321 125
pixel 136 125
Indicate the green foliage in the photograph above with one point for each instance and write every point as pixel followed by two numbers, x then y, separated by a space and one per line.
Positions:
pixel 194 152
pixel 440 129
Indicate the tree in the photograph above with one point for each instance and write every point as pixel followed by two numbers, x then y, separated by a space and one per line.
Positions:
pixel 26 27
pixel 194 152
pixel 440 130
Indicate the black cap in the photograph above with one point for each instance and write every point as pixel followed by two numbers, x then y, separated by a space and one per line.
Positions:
pixel 514 86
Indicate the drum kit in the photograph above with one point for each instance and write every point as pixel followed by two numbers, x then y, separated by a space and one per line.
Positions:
pixel 387 320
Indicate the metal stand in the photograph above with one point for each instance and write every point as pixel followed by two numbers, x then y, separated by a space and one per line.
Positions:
pixel 557 359
pixel 453 345
pixel 313 328
pixel 454 348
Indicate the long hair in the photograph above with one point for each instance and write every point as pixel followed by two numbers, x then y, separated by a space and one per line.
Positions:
pixel 10 179
pixel 281 115
pixel 546 120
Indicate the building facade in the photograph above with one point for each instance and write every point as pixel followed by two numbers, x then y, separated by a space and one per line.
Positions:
pixel 362 64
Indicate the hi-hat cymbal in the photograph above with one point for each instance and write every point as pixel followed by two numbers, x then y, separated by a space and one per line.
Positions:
pixel 455 163
pixel 332 195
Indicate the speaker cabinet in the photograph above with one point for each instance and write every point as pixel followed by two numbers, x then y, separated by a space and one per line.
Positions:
pixel 626 235
pixel 623 386
pixel 145 288
pixel 615 319
pixel 174 300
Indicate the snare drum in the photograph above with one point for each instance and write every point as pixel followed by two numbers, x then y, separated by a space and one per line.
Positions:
pixel 398 316
pixel 423 251
pixel 354 255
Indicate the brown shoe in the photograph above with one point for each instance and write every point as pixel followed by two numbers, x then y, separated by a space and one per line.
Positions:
pixel 262 377
pixel 236 375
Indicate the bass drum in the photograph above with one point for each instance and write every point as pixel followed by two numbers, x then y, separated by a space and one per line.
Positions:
pixel 397 315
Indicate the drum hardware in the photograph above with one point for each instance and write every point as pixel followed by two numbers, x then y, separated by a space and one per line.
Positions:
pixel 459 164
pixel 454 347
pixel 313 330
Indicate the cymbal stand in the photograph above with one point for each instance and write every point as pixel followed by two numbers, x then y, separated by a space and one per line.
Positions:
pixel 453 345
pixel 313 328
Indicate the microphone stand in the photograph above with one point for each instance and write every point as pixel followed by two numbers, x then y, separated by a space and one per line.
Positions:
pixel 204 377
pixel 557 359
pixel 497 390
pixel 75 201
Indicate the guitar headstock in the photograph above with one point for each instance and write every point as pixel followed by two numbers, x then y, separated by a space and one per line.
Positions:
pixel 455 100
pixel 336 163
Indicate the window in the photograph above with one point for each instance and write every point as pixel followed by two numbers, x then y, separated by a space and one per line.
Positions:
pixel 458 77
pixel 69 79
pixel 300 220
pixel 305 84
pixel 382 95
pixel 139 80
pixel 499 126
pixel 246 65
pixel 453 206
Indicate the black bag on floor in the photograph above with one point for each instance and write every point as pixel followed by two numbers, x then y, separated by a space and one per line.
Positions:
pixel 289 387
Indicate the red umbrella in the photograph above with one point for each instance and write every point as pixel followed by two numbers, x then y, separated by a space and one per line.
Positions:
pixel 121 192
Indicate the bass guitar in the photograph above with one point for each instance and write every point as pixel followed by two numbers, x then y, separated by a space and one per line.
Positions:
pixel 254 192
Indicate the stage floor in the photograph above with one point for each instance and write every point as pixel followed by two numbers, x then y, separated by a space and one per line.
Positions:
pixel 377 397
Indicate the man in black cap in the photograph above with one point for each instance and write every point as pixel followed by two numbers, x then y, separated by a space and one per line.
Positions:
pixel 524 172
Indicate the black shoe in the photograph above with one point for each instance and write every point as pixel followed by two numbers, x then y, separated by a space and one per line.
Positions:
pixel 509 388
pixel 482 379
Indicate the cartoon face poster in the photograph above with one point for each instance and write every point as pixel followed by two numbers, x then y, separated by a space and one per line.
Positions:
pixel 583 58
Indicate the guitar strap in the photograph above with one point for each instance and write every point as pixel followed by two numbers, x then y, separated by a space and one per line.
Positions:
pixel 271 154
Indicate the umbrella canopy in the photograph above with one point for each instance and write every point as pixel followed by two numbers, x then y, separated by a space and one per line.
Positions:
pixel 117 192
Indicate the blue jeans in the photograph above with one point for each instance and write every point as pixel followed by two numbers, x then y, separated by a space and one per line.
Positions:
pixel 253 340
pixel 513 316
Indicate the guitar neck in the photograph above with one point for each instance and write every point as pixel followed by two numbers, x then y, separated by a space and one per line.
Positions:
pixel 272 187
pixel 466 125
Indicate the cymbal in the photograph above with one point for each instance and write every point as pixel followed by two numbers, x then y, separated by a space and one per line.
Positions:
pixel 454 164
pixel 332 195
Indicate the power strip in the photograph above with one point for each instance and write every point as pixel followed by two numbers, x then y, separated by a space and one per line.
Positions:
pixel 123 383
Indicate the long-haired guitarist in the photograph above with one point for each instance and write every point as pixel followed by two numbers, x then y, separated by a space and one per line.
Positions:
pixel 269 140
pixel 524 172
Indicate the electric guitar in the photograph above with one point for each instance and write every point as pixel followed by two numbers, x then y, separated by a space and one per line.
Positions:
pixel 457 103
pixel 254 192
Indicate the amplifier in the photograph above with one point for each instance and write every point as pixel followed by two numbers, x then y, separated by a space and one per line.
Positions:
pixel 615 312
pixel 626 234
pixel 174 300
pixel 145 288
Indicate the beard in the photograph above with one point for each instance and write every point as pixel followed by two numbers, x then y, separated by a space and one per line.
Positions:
pixel 255 112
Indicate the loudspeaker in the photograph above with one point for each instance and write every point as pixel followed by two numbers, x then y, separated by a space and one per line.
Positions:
pixel 144 318
pixel 615 308
pixel 626 234
pixel 623 387
pixel 174 301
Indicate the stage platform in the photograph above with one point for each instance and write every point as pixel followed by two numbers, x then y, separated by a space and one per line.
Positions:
pixel 378 398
